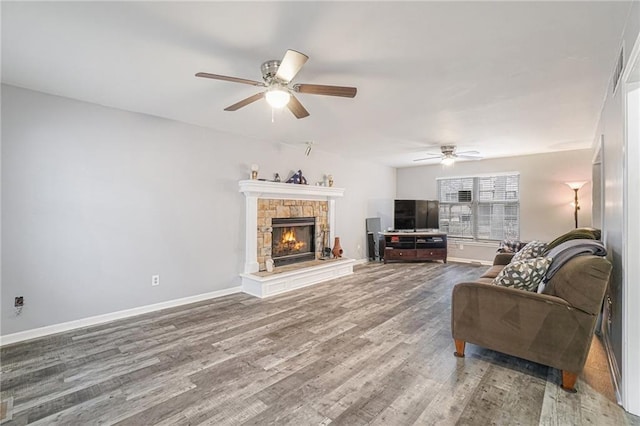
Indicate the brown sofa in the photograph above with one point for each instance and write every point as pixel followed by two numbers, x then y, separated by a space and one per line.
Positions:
pixel 554 328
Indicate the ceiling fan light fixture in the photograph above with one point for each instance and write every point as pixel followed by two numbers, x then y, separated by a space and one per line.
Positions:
pixel 277 97
pixel 447 161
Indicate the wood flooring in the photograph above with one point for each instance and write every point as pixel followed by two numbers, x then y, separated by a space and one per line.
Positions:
pixel 372 348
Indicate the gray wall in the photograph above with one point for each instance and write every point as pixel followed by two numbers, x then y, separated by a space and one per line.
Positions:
pixel 612 128
pixel 545 203
pixel 96 200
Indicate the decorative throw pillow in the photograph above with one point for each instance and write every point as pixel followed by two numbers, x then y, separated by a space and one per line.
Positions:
pixel 510 246
pixel 531 250
pixel 523 274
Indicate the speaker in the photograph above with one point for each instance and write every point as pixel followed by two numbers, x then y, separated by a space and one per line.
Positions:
pixel 373 228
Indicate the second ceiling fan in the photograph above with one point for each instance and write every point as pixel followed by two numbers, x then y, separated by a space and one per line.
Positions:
pixel 277 76
pixel 449 155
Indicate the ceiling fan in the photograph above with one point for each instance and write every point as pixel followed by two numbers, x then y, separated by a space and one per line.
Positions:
pixel 449 155
pixel 277 76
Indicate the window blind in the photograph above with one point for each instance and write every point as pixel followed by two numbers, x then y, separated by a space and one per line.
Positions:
pixel 482 208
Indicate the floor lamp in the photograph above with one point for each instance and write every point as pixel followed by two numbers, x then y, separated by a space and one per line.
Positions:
pixel 576 206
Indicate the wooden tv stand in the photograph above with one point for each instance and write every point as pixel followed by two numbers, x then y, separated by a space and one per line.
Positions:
pixel 414 246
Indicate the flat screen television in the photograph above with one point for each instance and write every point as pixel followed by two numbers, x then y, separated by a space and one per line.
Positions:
pixel 412 215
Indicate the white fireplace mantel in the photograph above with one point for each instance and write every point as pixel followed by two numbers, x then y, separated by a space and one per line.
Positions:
pixel 262 285
pixel 288 191
pixel 257 189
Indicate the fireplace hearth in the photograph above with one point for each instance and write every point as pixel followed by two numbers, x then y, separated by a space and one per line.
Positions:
pixel 293 240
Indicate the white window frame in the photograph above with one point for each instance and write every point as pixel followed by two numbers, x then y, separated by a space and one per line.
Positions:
pixel 504 202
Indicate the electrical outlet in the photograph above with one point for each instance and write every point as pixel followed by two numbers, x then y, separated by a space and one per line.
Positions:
pixel 155 280
pixel 19 302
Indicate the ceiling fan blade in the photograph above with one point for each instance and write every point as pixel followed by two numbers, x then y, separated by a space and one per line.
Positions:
pixel 296 108
pixel 290 65
pixel 470 157
pixel 245 102
pixel 433 157
pixel 232 79
pixel 320 89
pixel 468 153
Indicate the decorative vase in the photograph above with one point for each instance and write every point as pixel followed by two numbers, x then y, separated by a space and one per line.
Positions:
pixel 337 248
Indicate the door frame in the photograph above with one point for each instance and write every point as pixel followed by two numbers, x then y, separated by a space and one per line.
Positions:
pixel 631 236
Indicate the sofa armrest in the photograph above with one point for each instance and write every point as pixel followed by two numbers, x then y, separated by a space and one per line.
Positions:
pixel 503 258
pixel 537 327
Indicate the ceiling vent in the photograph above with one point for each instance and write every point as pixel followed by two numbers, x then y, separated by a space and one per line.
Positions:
pixel 617 73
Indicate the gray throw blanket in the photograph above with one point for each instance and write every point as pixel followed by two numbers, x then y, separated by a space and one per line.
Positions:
pixel 568 250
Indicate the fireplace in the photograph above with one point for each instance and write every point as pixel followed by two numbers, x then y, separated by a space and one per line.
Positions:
pixel 293 240
pixel 266 201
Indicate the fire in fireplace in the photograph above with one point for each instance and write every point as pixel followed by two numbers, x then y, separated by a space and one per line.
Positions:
pixel 293 240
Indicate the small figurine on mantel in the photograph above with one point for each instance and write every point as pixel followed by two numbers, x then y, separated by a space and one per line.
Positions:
pixel 297 178
pixel 276 178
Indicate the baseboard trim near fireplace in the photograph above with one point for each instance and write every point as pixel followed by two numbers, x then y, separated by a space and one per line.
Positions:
pixel 262 286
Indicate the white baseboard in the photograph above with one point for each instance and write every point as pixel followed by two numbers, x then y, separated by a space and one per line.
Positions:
pixel 491 244
pixel 100 319
pixel 614 370
pixel 465 260
pixel 360 261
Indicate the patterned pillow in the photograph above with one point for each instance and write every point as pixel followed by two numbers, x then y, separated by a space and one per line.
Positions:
pixel 530 251
pixel 523 274
pixel 510 246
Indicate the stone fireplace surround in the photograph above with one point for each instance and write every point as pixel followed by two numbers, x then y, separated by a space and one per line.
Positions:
pixel 270 209
pixel 266 200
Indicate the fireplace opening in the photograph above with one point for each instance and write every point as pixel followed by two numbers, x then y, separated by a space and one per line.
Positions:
pixel 293 240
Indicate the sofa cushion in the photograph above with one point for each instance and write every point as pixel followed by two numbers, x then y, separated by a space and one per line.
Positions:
pixel 530 251
pixel 568 250
pixel 493 271
pixel 578 233
pixel 523 274
pixel 503 258
pixel 582 282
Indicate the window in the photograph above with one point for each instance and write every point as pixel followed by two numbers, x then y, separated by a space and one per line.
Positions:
pixel 481 207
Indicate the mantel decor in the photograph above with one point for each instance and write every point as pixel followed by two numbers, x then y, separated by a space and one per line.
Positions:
pixel 298 178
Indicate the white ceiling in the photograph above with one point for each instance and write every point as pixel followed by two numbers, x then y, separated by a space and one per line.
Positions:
pixel 502 78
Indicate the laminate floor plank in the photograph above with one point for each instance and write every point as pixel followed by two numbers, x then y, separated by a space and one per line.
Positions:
pixel 371 348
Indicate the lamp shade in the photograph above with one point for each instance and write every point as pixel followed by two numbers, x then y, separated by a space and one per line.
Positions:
pixel 576 185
